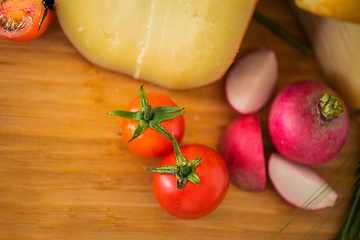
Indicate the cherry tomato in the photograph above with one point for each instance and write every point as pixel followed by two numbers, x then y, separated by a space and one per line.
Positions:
pixel 20 19
pixel 151 143
pixel 151 138
pixel 193 201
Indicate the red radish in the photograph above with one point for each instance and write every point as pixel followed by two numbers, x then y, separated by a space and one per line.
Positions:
pixel 308 123
pixel 251 81
pixel 242 149
pixel 300 185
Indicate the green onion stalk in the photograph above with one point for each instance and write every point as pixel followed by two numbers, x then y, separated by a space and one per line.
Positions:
pixel 351 227
pixel 282 33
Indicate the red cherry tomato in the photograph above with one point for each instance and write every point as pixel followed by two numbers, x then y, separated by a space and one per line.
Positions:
pixel 151 143
pixel 193 201
pixel 148 121
pixel 20 19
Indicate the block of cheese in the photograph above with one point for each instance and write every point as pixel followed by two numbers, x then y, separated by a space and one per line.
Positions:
pixel 176 44
pixel 345 10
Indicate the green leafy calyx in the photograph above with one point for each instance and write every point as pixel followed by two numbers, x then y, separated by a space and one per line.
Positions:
pixel 150 117
pixel 184 171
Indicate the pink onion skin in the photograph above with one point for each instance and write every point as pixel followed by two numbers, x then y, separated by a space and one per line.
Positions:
pixel 241 147
pixel 251 81
pixel 296 128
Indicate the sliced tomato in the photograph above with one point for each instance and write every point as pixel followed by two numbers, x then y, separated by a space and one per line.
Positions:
pixel 24 20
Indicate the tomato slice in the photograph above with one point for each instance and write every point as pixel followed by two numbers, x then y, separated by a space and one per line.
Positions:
pixel 22 20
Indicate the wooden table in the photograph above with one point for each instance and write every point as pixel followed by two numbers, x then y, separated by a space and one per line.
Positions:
pixel 65 172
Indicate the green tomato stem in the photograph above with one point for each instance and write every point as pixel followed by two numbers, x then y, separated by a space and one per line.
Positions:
pixel 147 112
pixel 150 117
pixel 183 170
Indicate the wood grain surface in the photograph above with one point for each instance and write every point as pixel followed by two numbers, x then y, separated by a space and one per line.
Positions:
pixel 65 172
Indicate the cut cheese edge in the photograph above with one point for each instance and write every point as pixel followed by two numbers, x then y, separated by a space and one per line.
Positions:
pixel 174 44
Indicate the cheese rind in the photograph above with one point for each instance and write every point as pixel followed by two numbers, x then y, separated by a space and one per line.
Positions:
pixel 174 44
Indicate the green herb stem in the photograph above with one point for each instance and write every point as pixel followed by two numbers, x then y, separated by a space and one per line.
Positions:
pixel 351 227
pixel 282 33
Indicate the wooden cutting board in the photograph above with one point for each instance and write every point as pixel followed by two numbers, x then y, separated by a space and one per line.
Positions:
pixel 65 172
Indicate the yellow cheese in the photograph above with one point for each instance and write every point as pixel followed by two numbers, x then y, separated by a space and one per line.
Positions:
pixel 172 43
pixel 337 47
pixel 346 10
